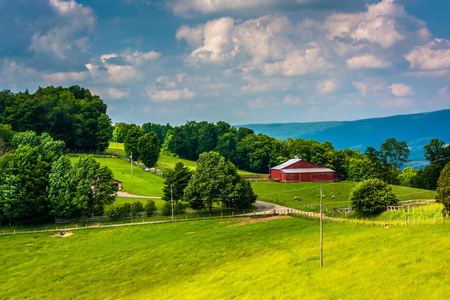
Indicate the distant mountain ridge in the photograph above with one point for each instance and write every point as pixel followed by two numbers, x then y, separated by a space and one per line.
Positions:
pixel 416 129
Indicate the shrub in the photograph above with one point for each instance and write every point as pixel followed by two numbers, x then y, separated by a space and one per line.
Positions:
pixel 113 211
pixel 372 196
pixel 136 207
pixel 150 207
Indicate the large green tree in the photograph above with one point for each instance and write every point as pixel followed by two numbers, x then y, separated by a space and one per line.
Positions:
pixel 81 189
pixel 372 196
pixel 149 148
pixel 216 181
pixel 443 189
pixel 72 115
pixel 176 181
pixel 131 141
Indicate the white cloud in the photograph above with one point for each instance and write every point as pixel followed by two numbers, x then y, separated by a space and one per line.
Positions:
pixel 61 77
pixel 326 87
pixel 72 20
pixel 187 8
pixel 401 90
pixel 432 56
pixel 291 100
pixel 367 61
pixel 217 41
pixel 170 95
pixel 377 25
pixel 261 102
pixel 298 62
pixel 444 92
pixel 368 87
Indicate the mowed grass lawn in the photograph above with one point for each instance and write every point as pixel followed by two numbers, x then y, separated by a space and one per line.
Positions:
pixel 278 259
pixel 143 183
pixel 309 193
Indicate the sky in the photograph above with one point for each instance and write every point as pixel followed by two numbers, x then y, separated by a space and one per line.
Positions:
pixel 238 61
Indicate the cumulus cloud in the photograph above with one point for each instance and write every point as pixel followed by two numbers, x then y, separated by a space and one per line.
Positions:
pixel 298 62
pixel 366 88
pixel 170 95
pixel 401 90
pixel 367 61
pixel 73 21
pixel 261 43
pixel 432 56
pixel 291 100
pixel 326 87
pixel 377 25
pixel 187 8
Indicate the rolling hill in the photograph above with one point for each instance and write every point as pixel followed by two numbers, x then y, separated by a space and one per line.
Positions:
pixel 416 129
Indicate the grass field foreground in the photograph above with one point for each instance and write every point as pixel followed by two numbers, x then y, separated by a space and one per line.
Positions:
pixel 229 259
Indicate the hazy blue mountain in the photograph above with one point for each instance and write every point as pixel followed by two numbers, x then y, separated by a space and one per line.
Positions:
pixel 416 129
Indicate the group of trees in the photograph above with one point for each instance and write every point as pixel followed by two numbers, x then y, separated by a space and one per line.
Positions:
pixel 37 181
pixel 72 115
pixel 256 152
pixel 142 146
pixel 117 211
pixel 214 181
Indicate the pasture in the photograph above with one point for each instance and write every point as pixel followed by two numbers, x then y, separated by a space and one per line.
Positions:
pixel 227 259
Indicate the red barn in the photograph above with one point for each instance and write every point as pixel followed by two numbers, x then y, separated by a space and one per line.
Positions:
pixel 297 170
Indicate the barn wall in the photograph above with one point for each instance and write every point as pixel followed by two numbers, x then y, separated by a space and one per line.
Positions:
pixel 275 174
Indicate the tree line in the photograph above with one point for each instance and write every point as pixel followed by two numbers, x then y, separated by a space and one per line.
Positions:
pixel 72 115
pixel 258 152
pixel 38 181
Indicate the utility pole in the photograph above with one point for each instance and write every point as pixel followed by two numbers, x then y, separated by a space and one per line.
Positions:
pixel 171 198
pixel 321 231
pixel 131 160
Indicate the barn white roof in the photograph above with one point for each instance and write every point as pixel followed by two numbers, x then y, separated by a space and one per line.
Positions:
pixel 287 163
pixel 308 170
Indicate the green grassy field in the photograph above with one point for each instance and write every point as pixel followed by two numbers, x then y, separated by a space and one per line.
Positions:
pixel 309 192
pixel 278 259
pixel 142 184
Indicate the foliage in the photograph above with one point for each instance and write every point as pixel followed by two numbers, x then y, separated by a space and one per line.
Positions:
pixel 178 179
pixel 216 180
pixel 72 115
pixel 148 148
pixel 113 211
pixel 443 191
pixel 408 176
pixel 136 207
pixel 131 141
pixel 372 196
pixel 81 189
pixel 25 176
pixel 6 137
pixel 150 207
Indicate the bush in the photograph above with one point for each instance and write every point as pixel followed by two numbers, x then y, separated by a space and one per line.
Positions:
pixel 372 196
pixel 125 209
pixel 113 211
pixel 150 207
pixel 166 209
pixel 136 207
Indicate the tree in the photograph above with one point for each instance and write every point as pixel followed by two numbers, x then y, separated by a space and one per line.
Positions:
pixel 394 153
pixel 408 176
pixel 82 189
pixel 148 148
pixel 150 207
pixel 216 180
pixel 131 141
pixel 136 207
pixel 372 196
pixel 178 179
pixel 443 191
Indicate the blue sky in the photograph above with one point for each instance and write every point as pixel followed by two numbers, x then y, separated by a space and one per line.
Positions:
pixel 252 61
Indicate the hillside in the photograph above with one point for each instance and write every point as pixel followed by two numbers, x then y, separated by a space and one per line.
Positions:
pixel 217 259
pixel 416 129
